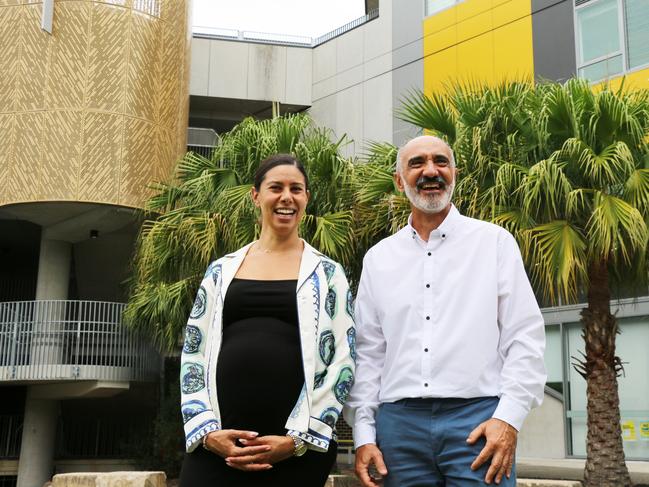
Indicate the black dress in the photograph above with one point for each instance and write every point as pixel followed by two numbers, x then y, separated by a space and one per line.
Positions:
pixel 259 377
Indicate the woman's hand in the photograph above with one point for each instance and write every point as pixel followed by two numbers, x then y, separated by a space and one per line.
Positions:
pixel 278 448
pixel 224 444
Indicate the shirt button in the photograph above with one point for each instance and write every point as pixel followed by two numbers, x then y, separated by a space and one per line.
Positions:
pixel 425 350
pixel 443 235
pixel 426 384
pixel 427 285
pixel 428 317
pixel 429 254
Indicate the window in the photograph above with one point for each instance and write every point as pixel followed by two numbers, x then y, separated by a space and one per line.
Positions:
pixel 434 6
pixel 612 37
pixel 637 31
pixel 633 387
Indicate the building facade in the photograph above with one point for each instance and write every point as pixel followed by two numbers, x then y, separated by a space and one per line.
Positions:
pixel 93 108
pixel 94 111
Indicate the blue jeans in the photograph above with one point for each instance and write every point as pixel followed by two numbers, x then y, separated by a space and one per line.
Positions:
pixel 423 442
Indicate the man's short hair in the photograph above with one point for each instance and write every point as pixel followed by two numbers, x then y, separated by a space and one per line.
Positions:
pixel 398 165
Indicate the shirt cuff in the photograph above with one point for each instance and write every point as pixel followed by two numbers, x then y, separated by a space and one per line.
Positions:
pixel 364 433
pixel 511 412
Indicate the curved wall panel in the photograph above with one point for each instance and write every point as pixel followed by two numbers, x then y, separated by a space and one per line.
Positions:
pixel 98 110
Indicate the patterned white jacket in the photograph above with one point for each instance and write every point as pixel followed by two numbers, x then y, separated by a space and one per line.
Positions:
pixel 327 337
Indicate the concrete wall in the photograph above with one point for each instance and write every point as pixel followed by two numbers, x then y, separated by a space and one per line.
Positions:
pixel 247 71
pixel 407 61
pixel 543 434
pixel 352 82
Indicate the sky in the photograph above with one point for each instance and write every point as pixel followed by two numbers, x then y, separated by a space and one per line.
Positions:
pixel 309 18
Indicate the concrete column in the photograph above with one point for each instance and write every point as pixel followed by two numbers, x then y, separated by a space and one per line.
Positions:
pixel 36 463
pixel 53 269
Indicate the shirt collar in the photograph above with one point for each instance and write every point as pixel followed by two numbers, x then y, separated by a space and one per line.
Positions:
pixel 445 229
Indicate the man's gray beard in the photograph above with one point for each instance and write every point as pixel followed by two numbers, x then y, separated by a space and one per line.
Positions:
pixel 432 204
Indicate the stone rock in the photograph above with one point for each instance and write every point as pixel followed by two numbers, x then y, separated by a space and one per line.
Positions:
pixel 547 483
pixel 110 479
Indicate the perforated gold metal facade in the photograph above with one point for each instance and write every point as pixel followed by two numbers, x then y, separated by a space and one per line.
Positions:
pixel 97 110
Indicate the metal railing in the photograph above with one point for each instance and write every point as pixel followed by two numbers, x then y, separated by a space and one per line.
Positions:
pixel 202 150
pixel 281 39
pixel 371 15
pixel 71 340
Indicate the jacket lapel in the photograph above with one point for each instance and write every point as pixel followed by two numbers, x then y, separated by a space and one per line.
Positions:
pixel 309 262
pixel 230 266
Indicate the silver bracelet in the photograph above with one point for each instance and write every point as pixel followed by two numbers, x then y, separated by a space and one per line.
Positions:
pixel 204 441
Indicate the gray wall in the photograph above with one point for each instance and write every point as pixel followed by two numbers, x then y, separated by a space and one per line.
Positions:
pixel 407 61
pixel 247 71
pixel 554 39
pixel 352 82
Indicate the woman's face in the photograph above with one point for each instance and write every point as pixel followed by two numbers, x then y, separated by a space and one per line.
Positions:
pixel 282 198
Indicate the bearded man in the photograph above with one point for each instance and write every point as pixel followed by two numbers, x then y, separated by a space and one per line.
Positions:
pixel 450 341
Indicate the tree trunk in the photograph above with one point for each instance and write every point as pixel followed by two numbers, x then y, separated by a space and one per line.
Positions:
pixel 605 465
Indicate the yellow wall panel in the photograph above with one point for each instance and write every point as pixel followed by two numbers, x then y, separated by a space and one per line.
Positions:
pixel 98 109
pixel 69 55
pixel 439 69
pixel 510 10
pixel 440 21
pixel 636 79
pixel 141 85
pixel 107 60
pixel 440 40
pixel 471 8
pixel 169 72
pixel 138 159
pixel 494 42
pixel 9 49
pixel 60 166
pixel 514 56
pixel 6 135
pixel 475 59
pixel 102 146
pixel 32 61
pixel 27 150
pixel 474 26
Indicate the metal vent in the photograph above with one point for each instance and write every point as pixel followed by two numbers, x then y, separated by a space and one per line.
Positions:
pixel 581 2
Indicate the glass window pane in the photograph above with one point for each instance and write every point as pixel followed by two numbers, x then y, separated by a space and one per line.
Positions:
pixel 577 391
pixel 607 68
pixel 434 6
pixel 633 387
pixel 598 30
pixel 553 354
pixel 637 26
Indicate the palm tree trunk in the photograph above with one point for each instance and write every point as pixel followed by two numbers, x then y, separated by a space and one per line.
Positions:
pixel 605 464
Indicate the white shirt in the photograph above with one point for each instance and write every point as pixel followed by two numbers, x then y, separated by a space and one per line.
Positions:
pixel 454 317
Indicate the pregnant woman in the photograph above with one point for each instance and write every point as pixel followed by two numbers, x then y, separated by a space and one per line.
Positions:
pixel 268 358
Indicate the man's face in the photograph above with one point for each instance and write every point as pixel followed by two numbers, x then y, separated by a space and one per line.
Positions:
pixel 426 174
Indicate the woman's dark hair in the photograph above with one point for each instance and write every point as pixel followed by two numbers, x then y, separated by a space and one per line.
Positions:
pixel 278 160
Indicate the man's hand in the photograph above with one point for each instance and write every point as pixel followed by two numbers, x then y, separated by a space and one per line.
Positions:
pixel 367 455
pixel 278 448
pixel 500 447
pixel 224 444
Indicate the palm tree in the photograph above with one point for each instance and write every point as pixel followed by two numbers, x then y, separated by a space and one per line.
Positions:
pixel 565 169
pixel 206 212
